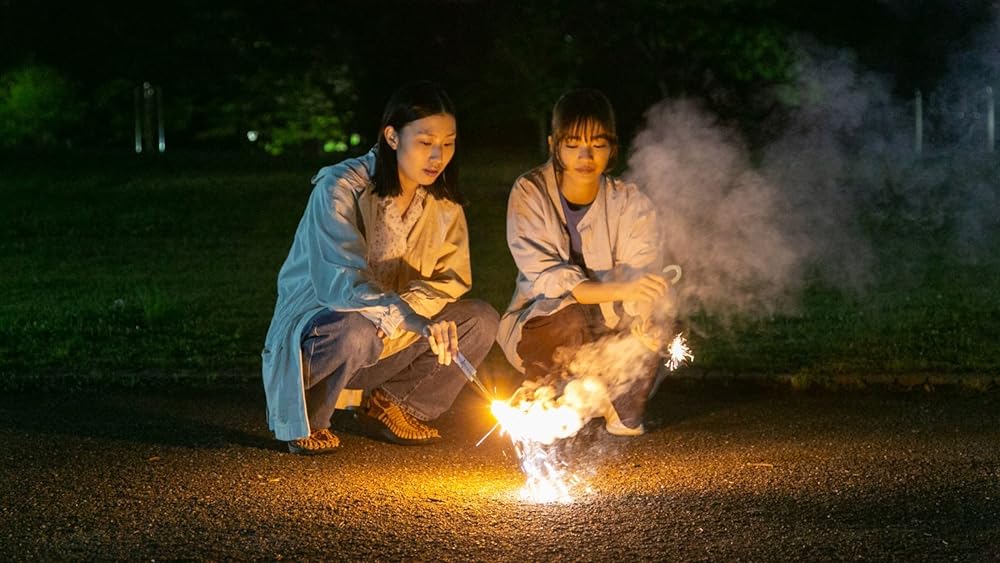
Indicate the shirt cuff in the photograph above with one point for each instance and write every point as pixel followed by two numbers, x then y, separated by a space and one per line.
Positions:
pixel 560 283
pixel 387 319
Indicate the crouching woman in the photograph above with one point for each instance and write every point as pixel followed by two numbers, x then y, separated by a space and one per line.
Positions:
pixel 368 297
pixel 586 248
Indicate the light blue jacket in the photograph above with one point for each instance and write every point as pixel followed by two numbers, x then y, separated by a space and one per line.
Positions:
pixel 327 268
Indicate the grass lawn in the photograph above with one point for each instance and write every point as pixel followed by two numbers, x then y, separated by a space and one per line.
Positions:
pixel 122 269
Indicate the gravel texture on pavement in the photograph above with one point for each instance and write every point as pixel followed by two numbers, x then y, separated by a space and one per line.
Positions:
pixel 725 472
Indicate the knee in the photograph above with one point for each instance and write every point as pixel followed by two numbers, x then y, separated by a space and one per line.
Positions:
pixel 354 336
pixel 359 334
pixel 567 326
pixel 484 318
pixel 573 321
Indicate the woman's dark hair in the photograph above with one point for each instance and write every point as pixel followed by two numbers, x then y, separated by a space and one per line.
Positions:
pixel 581 113
pixel 413 101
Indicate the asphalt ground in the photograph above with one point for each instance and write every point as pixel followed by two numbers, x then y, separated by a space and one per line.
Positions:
pixel 725 472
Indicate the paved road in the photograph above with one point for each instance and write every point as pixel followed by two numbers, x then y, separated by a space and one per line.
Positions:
pixel 724 474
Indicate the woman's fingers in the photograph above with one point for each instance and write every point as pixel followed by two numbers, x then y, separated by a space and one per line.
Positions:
pixel 646 293
pixel 453 333
pixel 650 287
pixel 656 282
pixel 442 348
pixel 443 339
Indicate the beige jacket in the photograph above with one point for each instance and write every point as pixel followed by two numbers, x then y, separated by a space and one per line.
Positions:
pixel 620 242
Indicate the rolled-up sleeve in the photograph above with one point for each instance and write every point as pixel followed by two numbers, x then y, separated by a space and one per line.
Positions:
pixel 534 243
pixel 637 251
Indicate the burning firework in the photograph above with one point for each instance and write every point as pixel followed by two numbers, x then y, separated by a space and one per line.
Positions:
pixel 538 415
pixel 534 424
pixel 532 431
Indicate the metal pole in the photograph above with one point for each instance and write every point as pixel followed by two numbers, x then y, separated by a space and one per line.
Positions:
pixel 918 134
pixel 990 120
pixel 159 119
pixel 147 115
pixel 137 96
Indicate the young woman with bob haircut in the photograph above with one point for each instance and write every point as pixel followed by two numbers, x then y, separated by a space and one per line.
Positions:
pixel 586 248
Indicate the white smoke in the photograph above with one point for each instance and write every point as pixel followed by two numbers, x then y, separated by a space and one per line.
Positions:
pixel 830 198
pixel 719 218
pixel 586 380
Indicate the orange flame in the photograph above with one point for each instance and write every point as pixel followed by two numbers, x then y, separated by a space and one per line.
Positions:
pixel 536 417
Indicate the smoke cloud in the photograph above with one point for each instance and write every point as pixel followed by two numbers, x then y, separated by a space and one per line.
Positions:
pixel 837 196
pixel 720 219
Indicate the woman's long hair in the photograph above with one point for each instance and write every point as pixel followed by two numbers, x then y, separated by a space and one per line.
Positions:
pixel 409 103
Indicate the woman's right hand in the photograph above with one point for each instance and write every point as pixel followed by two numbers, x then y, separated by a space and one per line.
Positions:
pixel 443 338
pixel 646 289
pixel 442 335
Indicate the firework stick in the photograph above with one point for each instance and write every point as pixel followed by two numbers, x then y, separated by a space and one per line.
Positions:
pixel 467 368
pixel 654 343
pixel 470 373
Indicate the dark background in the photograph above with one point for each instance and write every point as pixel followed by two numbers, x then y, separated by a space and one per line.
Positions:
pixel 229 67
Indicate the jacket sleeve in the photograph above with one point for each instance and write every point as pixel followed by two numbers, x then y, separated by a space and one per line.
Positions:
pixel 452 275
pixel 637 251
pixel 533 240
pixel 338 252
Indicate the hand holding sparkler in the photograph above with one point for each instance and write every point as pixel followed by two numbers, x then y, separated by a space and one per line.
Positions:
pixel 654 336
pixel 649 334
pixel 443 338
pixel 441 335
pixel 645 289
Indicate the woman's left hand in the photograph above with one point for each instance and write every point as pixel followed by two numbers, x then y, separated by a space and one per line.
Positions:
pixel 648 333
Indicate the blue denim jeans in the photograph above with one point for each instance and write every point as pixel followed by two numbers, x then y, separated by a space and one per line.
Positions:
pixel 341 350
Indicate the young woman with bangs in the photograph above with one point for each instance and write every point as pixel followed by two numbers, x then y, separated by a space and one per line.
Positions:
pixel 586 247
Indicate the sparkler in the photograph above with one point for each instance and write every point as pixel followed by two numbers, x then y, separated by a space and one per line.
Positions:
pixel 537 416
pixel 677 353
pixel 469 370
pixel 470 373
pixel 533 426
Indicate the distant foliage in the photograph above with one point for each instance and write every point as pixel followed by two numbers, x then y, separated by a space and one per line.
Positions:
pixel 541 65
pixel 728 54
pixel 37 106
pixel 279 111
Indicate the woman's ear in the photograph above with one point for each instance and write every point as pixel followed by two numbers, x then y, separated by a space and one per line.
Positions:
pixel 550 143
pixel 391 137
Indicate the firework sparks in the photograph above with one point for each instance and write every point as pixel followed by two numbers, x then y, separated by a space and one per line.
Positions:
pixel 678 353
pixel 539 414
pixel 533 427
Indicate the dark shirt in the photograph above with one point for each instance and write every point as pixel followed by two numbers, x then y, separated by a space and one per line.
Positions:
pixel 574 213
